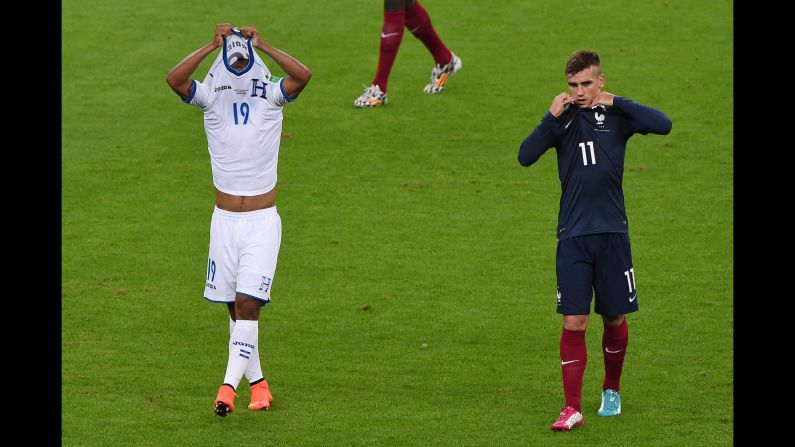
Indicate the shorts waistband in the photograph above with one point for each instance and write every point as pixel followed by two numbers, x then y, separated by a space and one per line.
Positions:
pixel 245 214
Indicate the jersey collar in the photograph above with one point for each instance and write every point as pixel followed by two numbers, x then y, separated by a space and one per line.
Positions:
pixel 250 56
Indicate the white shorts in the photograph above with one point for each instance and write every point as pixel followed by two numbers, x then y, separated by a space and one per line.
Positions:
pixel 243 251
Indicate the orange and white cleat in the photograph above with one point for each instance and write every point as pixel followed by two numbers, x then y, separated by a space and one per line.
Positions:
pixel 440 75
pixel 260 397
pixel 224 401
pixel 372 97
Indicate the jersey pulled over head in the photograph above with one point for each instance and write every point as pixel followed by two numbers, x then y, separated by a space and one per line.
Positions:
pixel 237 48
pixel 242 118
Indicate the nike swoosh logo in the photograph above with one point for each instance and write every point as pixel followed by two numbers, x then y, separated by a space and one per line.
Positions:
pixel 384 36
pixel 570 361
pixel 633 298
pixel 567 124
pixel 612 352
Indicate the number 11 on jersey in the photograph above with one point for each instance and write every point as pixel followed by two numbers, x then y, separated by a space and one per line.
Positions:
pixel 585 156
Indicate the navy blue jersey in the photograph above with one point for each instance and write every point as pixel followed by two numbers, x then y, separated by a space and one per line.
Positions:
pixel 590 144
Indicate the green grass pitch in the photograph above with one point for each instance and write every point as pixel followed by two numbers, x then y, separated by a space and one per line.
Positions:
pixel 414 298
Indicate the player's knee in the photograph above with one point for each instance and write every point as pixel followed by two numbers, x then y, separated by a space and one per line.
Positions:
pixel 247 314
pixel 575 322
pixel 613 320
pixel 247 308
pixel 394 5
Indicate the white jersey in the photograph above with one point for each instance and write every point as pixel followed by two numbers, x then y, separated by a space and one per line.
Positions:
pixel 243 121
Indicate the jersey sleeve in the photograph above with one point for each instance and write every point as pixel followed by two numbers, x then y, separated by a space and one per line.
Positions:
pixel 199 95
pixel 643 119
pixel 276 93
pixel 543 137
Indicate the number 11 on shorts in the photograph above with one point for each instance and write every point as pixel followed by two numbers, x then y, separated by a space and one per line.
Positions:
pixel 630 274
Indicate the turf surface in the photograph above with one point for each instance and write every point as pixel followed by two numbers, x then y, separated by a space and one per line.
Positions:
pixel 414 299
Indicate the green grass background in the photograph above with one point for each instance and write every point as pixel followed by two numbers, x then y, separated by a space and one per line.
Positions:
pixel 414 299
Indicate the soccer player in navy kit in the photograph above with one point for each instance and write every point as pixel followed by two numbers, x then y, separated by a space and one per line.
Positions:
pixel 589 128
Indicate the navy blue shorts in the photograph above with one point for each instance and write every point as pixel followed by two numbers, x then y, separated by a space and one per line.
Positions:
pixel 596 264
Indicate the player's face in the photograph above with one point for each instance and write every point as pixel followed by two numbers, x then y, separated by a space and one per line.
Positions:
pixel 585 86
pixel 240 64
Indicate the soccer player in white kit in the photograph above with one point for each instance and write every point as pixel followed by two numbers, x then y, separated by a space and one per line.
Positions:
pixel 242 104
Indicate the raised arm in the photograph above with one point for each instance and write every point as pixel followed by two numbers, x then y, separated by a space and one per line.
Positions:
pixel 544 135
pixel 297 73
pixel 179 77
pixel 645 119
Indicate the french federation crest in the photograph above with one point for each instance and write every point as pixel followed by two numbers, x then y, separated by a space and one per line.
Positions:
pixel 600 118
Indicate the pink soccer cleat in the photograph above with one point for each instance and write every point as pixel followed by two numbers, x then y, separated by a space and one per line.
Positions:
pixel 569 417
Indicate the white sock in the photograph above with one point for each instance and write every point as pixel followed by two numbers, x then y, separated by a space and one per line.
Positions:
pixel 242 343
pixel 254 368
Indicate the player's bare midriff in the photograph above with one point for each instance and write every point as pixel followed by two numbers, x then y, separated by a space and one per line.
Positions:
pixel 241 204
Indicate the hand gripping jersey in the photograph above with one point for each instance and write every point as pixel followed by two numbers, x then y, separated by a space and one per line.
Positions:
pixel 242 119
pixel 591 144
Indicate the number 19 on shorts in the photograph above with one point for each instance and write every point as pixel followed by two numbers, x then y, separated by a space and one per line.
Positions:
pixel 210 270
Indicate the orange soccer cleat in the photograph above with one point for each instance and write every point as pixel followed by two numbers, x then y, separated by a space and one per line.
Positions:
pixel 260 397
pixel 225 400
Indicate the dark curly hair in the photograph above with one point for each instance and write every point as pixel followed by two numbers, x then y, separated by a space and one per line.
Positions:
pixel 581 60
